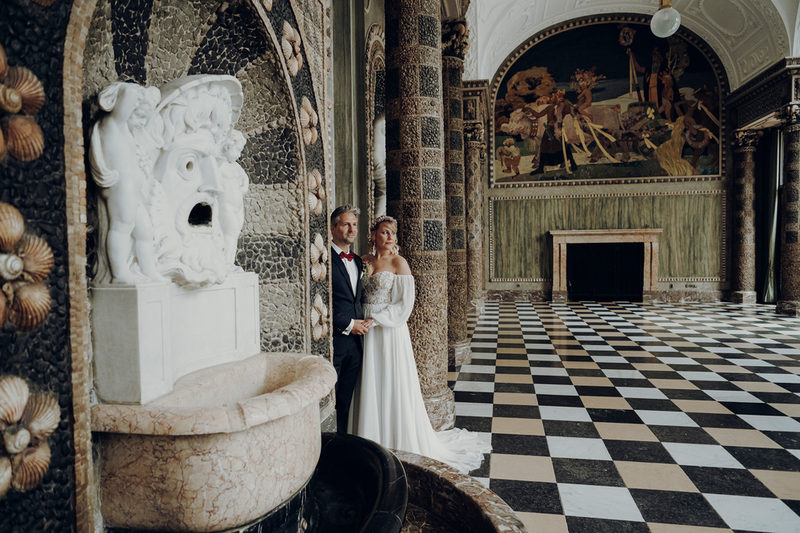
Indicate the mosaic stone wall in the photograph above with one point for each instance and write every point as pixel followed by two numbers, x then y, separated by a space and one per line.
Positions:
pixel 33 37
pixel 152 42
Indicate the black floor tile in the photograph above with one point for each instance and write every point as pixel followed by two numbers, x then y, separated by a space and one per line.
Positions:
pixel 765 458
pixel 580 524
pixel 528 496
pixel 634 450
pixel 519 444
pixel 623 416
pixel 516 411
pixel 474 423
pixel 586 472
pixel 734 481
pixel 671 507
pixel 563 428
pixel 687 435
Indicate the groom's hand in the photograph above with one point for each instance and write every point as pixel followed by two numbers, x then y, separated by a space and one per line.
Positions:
pixel 360 327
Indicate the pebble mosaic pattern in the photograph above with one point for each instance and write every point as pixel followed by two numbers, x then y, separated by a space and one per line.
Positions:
pixel 42 356
pixel 631 417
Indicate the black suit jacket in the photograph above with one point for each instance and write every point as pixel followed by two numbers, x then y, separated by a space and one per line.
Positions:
pixel 346 306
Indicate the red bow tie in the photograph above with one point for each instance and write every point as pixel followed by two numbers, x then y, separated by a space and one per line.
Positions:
pixel 349 256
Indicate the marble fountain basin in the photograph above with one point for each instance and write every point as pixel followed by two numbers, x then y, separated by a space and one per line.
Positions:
pixel 229 444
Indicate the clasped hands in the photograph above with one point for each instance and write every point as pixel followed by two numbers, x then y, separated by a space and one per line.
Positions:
pixel 360 327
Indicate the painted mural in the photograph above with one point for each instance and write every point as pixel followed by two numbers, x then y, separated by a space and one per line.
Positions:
pixel 607 101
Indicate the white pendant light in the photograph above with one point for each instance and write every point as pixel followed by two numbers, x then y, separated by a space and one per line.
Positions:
pixel 666 20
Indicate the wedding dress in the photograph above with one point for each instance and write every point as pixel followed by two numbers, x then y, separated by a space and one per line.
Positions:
pixel 387 404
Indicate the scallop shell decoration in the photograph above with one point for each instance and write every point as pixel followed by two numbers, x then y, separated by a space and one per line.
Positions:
pixel 26 421
pixel 267 4
pixel 37 258
pixel 41 415
pixel 21 96
pixel 30 307
pixel 24 138
pixel 10 100
pixel 14 395
pixel 308 121
pixel 319 258
pixel 5 475
pixel 3 63
pixel 29 467
pixel 290 45
pixel 25 261
pixel 316 192
pixel 30 89
pixel 12 226
pixel 319 319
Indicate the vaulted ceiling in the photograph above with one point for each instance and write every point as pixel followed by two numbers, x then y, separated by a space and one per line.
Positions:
pixel 747 35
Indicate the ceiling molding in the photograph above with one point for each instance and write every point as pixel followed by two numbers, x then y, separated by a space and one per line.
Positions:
pixel 747 35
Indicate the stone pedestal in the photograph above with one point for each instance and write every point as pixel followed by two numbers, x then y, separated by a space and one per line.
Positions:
pixel 789 291
pixel 744 230
pixel 146 336
pixel 453 48
pixel 415 182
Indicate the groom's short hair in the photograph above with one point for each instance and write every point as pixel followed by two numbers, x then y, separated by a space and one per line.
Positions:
pixel 341 210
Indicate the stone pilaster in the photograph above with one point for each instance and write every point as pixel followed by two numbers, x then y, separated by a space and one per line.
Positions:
pixel 415 185
pixel 473 155
pixel 744 222
pixel 454 46
pixel 789 292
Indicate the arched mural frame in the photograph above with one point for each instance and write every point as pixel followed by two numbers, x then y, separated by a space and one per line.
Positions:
pixel 620 18
pixel 272 14
pixel 375 63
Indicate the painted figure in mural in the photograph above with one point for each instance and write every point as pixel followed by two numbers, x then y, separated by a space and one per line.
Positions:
pixel 586 115
pixel 171 201
pixel 388 407
pixel 347 298
pixel 379 165
pixel 509 155
pixel 235 184
pixel 121 156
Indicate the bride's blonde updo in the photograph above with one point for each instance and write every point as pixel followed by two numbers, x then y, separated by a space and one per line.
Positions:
pixel 385 219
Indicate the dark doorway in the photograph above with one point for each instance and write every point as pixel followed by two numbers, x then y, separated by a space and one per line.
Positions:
pixel 605 271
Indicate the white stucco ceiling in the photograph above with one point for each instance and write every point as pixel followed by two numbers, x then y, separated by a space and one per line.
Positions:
pixel 747 35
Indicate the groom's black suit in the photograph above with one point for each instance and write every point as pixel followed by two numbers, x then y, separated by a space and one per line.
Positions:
pixel 347 349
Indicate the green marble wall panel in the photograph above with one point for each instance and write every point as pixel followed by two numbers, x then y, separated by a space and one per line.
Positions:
pixel 690 244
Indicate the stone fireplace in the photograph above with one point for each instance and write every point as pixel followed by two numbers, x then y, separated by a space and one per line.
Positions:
pixel 621 237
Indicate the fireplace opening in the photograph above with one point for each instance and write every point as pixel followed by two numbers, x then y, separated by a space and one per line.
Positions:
pixel 605 271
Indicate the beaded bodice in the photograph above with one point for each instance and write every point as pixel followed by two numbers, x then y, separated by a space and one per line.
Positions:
pixel 378 287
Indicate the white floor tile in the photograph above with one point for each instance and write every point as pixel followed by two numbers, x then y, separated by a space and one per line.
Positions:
pixel 557 412
pixel 666 418
pixel 578 448
pixel 701 455
pixel 755 514
pixel 613 503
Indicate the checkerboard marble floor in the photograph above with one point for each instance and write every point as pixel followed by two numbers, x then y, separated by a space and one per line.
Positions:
pixel 629 417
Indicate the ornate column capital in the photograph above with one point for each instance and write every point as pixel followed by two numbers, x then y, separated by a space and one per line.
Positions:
pixel 791 116
pixel 473 132
pixel 746 140
pixel 455 39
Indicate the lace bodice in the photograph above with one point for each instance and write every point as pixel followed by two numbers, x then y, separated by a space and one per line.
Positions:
pixel 378 287
pixel 389 298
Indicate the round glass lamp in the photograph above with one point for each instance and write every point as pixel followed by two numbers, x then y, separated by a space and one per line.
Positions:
pixel 666 20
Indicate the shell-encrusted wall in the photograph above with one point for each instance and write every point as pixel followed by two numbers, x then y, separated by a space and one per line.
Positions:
pixel 153 42
pixel 33 36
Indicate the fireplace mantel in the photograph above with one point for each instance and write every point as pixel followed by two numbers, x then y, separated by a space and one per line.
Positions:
pixel 582 236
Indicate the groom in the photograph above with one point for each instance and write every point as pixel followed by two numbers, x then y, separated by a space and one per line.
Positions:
pixel 347 295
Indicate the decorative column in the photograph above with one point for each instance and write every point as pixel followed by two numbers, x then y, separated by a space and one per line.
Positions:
pixel 415 185
pixel 789 291
pixel 744 220
pixel 454 47
pixel 473 163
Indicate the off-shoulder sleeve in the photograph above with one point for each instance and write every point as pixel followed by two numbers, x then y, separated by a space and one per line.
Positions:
pixel 396 313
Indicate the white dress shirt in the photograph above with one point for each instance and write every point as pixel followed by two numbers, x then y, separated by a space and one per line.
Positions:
pixel 352 271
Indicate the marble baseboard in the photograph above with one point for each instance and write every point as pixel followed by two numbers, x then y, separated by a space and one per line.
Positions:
pixel 743 297
pixel 441 409
pixel 788 307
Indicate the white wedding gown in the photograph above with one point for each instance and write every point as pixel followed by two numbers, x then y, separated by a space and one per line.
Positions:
pixel 387 404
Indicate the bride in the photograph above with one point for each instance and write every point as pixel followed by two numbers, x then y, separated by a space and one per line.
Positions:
pixel 387 405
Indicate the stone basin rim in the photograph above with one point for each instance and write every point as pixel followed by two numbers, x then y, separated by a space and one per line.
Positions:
pixel 313 377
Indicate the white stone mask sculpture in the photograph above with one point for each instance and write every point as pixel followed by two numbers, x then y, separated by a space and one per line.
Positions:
pixel 171 204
